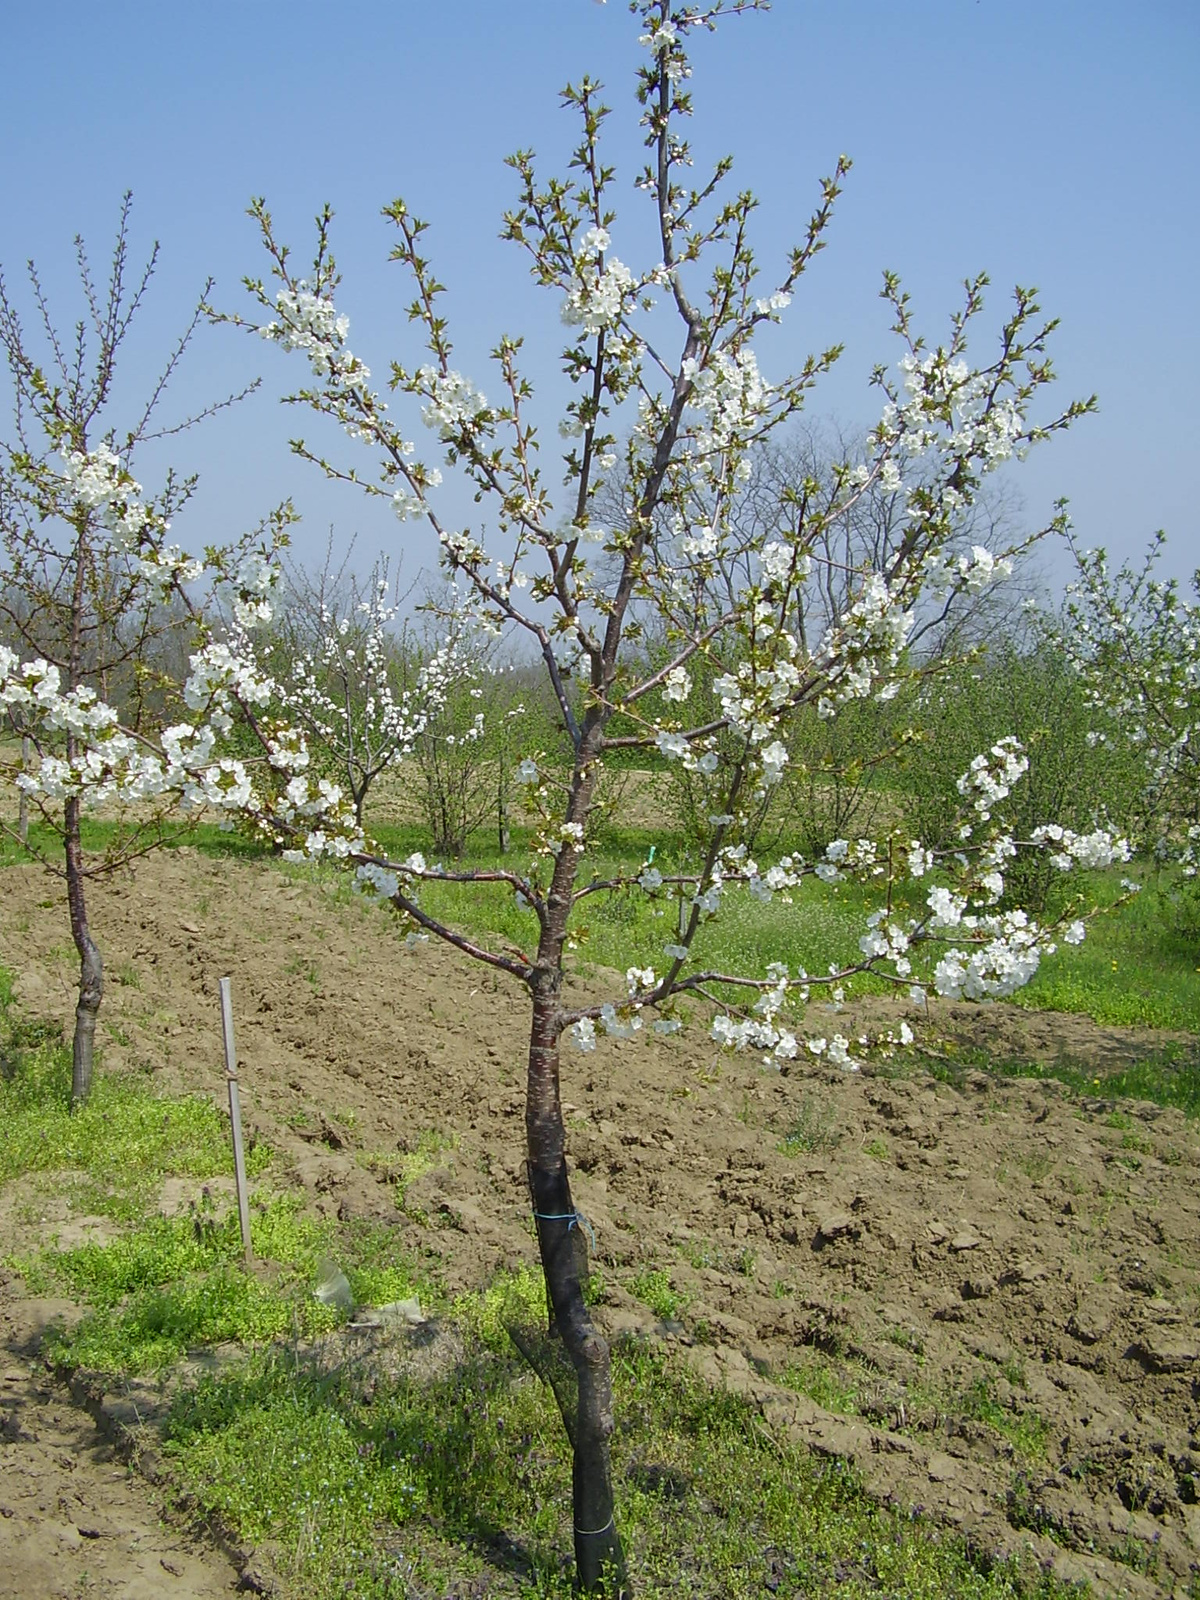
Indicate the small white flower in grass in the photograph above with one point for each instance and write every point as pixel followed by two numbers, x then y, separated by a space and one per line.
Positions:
pixel 906 1034
pixel 583 1034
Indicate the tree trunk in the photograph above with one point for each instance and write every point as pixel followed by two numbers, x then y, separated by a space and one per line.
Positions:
pixel 23 802
pixel 91 968
pixel 599 1558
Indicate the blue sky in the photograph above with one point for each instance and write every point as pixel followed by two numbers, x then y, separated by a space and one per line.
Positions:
pixel 1052 143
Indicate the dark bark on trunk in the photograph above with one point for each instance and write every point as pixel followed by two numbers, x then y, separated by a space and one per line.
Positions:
pixel 599 1558
pixel 502 811
pixel 23 803
pixel 91 968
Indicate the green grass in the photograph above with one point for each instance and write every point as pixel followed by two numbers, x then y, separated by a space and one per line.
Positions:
pixel 166 1284
pixel 813 1129
pixel 846 1386
pixel 102 833
pixel 464 1477
pixel 1167 1077
pixel 654 1289
pixel 121 1144
pixel 1026 1431
pixel 1133 968
pixel 834 1385
pixel 175 1283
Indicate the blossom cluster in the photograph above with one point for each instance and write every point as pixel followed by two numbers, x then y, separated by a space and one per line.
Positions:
pixel 864 648
pixel 312 324
pixel 990 778
pixel 731 400
pixel 972 573
pixel 599 300
pixel 953 412
pixel 455 405
pixel 97 481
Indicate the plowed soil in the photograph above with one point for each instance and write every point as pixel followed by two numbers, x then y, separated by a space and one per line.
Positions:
pixel 927 1256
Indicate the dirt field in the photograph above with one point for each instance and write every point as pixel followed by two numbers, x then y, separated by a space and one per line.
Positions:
pixel 914 1238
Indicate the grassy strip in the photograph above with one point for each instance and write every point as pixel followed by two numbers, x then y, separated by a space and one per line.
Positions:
pixel 1168 1077
pixel 176 1283
pixel 462 1477
pixel 1132 969
pixel 121 1144
pixel 102 833
pixel 851 1388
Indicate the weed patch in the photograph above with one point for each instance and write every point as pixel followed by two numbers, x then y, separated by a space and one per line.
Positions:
pixel 126 1139
pixel 654 1289
pixel 467 1472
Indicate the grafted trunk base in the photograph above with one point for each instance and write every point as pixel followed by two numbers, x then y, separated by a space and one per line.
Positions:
pixel 83 1049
